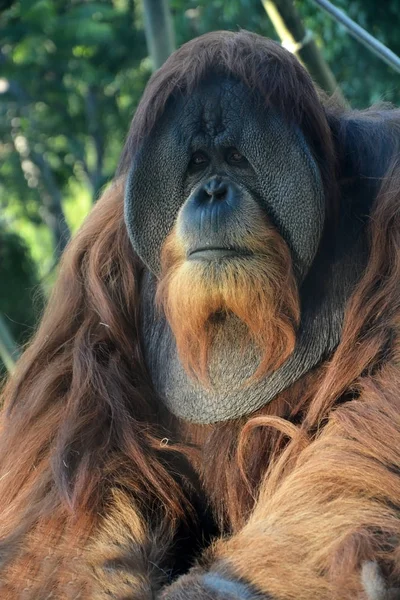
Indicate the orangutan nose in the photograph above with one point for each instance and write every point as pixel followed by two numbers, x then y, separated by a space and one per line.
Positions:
pixel 209 216
pixel 215 189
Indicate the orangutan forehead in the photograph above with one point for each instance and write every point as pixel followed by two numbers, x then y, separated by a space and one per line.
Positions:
pixel 216 111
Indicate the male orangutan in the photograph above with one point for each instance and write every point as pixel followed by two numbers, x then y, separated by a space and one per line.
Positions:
pixel 216 380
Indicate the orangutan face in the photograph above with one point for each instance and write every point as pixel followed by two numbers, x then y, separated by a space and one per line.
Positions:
pixel 225 207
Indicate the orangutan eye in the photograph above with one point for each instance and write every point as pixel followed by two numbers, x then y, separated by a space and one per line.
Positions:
pixel 235 157
pixel 199 159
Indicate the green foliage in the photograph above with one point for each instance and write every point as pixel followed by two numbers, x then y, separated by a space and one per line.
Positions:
pixel 20 294
pixel 71 76
pixel 363 77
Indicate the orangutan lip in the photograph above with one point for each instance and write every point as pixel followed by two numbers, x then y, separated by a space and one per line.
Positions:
pixel 215 253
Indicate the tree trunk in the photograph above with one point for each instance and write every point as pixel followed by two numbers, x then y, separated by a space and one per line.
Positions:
pixel 159 30
pixel 294 36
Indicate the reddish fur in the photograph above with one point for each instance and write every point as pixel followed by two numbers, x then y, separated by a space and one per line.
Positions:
pixel 72 428
pixel 310 486
pixel 260 290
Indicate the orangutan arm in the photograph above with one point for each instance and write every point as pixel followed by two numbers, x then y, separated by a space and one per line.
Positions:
pixel 319 529
pixel 122 559
pixel 127 556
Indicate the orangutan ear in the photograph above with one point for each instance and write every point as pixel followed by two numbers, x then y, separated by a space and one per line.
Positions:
pixel 365 143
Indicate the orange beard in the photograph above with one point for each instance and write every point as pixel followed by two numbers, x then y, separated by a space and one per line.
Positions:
pixel 259 289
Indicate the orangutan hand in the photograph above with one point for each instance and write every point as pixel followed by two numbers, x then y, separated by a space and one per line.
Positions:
pixel 211 585
pixel 374 584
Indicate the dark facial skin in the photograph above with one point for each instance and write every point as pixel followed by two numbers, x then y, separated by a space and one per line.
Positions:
pixel 216 164
pixel 197 140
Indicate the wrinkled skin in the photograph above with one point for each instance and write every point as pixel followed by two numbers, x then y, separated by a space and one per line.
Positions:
pixel 218 118
pixel 277 180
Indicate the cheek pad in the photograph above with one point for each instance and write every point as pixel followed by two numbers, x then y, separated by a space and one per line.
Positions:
pixel 289 186
pixel 154 193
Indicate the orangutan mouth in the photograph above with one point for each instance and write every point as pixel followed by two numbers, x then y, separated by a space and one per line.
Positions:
pixel 216 253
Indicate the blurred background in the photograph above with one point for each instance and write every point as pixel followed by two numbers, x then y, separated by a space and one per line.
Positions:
pixel 72 73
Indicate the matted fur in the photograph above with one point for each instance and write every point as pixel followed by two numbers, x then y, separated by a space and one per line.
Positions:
pixel 260 290
pixel 94 475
